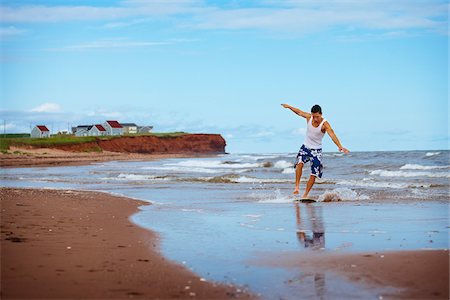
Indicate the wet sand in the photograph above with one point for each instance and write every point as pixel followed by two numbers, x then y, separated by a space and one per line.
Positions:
pixel 44 157
pixel 419 274
pixel 60 244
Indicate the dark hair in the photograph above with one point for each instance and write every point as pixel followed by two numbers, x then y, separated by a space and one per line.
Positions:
pixel 316 109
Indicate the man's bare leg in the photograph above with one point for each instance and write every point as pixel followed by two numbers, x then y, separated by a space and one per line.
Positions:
pixel 298 175
pixel 309 185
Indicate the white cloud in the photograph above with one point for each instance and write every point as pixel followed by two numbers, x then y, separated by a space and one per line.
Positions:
pixel 303 16
pixel 105 114
pixel 10 31
pixel 264 133
pixel 31 14
pixel 117 43
pixel 312 16
pixel 47 108
pixel 113 43
pixel 67 13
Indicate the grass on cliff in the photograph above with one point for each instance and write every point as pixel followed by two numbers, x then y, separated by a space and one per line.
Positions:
pixel 167 134
pixel 18 140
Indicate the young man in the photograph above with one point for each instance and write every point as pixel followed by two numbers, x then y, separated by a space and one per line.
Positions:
pixel 311 150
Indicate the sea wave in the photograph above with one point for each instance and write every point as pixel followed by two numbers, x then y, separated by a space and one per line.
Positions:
pixel 341 194
pixel 367 182
pixel 385 173
pixel 233 178
pixel 290 170
pixel 216 164
pixel 333 154
pixel 275 197
pixel 432 153
pixel 178 169
pixel 421 167
pixel 141 177
pixel 260 157
pixel 282 164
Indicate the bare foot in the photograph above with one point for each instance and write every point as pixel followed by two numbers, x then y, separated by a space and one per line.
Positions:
pixel 295 192
pixel 305 196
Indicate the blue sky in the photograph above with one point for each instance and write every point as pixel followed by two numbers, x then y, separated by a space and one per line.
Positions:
pixel 379 69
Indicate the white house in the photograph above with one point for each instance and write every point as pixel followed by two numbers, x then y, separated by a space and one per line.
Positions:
pixel 97 130
pixel 40 131
pixel 82 130
pixel 129 128
pixel 145 129
pixel 113 128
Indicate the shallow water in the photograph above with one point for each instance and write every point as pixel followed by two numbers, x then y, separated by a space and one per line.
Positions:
pixel 216 214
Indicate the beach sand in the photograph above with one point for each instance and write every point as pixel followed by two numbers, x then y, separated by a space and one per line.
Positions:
pixel 45 157
pixel 71 244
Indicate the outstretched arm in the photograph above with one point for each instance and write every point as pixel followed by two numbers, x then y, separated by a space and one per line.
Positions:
pixel 297 111
pixel 335 139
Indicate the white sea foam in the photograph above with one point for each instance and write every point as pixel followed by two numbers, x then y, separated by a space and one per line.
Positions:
pixel 290 170
pixel 140 177
pixel 191 169
pixel 215 164
pixel 252 216
pixel 385 173
pixel 282 164
pixel 341 194
pixel 197 210
pixel 231 178
pixel 432 153
pixel 258 157
pixel 421 167
pixel 367 182
pixel 244 179
pixel 333 154
pixel 275 197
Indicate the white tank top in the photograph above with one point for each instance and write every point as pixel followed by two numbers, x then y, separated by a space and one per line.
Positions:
pixel 314 135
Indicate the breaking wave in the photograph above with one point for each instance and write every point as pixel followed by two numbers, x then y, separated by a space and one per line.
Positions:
pixel 385 173
pixel 420 167
pixel 233 178
pixel 367 182
pixel 141 177
pixel 341 194
pixel 282 164
pixel 432 153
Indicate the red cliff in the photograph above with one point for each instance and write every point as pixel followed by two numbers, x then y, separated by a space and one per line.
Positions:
pixel 188 143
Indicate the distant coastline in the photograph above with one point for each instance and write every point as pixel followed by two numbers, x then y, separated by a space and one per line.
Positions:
pixel 56 151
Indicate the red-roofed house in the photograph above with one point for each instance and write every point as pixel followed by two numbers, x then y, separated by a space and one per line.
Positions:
pixel 40 131
pixel 97 130
pixel 113 128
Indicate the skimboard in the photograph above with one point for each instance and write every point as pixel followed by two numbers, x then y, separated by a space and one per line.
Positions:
pixel 305 200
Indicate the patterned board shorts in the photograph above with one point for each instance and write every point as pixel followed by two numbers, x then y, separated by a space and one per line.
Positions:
pixel 315 156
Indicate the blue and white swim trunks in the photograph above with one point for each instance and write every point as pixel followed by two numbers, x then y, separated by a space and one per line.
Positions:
pixel 314 155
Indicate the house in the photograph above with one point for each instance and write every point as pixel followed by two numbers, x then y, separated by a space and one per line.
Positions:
pixel 113 128
pixel 81 130
pixel 40 131
pixel 96 130
pixel 144 129
pixel 129 128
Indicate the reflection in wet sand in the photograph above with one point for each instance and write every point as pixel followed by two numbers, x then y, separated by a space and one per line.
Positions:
pixel 310 228
pixel 311 235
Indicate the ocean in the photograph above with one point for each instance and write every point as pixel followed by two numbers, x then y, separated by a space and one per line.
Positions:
pixel 220 216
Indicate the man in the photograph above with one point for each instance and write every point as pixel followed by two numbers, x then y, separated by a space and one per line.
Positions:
pixel 311 150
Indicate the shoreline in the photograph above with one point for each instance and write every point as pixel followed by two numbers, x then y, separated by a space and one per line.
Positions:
pixel 78 238
pixel 78 244
pixel 46 157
